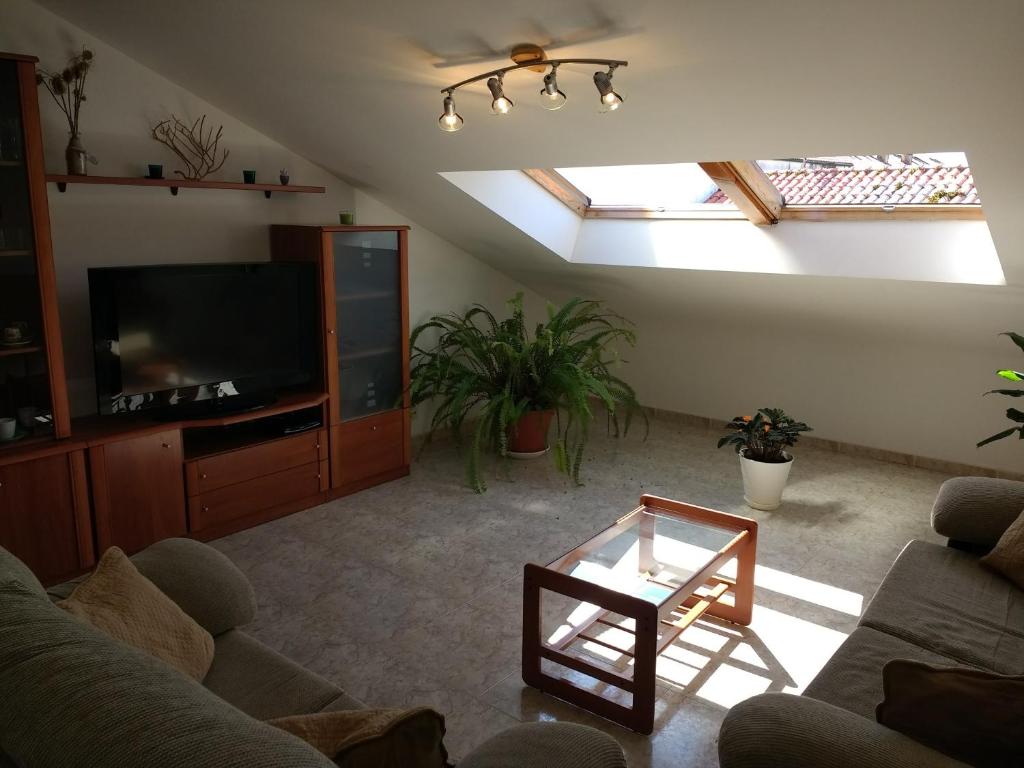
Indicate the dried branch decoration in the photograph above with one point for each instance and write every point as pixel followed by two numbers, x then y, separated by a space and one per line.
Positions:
pixel 68 86
pixel 195 145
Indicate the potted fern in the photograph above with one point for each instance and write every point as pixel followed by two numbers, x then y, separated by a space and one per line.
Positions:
pixel 510 385
pixel 761 441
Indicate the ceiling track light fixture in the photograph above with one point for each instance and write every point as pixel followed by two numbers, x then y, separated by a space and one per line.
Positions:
pixel 551 97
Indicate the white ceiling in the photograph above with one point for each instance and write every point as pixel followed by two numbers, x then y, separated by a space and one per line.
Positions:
pixel 355 86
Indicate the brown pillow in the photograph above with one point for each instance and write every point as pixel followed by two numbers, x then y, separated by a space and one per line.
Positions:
pixel 973 716
pixel 121 602
pixel 1007 556
pixel 381 738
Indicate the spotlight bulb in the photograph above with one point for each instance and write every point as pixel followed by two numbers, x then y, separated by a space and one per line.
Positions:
pixel 450 121
pixel 550 96
pixel 501 105
pixel 610 100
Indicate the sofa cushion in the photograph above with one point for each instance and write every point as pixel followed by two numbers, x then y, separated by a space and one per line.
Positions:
pixel 852 679
pixel 12 569
pixel 84 699
pixel 122 603
pixel 943 600
pixel 264 684
pixel 202 581
pixel 1007 557
pixel 969 714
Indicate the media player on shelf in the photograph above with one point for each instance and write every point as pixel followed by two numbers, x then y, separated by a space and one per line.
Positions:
pixel 188 341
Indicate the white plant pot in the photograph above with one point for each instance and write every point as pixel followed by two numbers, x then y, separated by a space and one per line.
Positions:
pixel 763 482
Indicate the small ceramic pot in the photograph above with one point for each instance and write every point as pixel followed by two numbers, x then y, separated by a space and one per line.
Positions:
pixel 528 437
pixel 763 483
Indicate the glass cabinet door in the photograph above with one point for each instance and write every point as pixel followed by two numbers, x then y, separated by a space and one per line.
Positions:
pixel 24 374
pixel 368 301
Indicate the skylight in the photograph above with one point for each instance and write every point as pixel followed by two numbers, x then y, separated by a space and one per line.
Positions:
pixel 667 187
pixel 929 178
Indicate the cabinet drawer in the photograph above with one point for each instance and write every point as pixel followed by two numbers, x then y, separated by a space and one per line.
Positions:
pixel 225 469
pixel 367 447
pixel 234 501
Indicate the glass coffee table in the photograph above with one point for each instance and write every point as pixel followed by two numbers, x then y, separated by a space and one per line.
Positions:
pixel 595 620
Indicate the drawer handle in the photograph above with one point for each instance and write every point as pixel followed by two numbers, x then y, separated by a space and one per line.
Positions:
pixel 373 428
pixel 330 331
pixel 166 445
pixel 202 476
pixel 205 508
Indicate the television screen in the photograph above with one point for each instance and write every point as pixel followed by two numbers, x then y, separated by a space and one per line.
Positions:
pixel 168 335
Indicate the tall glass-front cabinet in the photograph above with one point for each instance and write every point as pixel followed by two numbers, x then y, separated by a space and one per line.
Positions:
pixel 32 384
pixel 365 325
pixel 44 505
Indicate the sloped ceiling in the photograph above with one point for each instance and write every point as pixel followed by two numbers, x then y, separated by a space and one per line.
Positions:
pixel 354 86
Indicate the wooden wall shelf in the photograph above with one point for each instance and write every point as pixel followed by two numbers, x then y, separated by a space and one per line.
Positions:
pixel 62 181
pixel 10 351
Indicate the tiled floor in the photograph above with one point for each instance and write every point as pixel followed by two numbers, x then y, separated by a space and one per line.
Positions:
pixel 410 593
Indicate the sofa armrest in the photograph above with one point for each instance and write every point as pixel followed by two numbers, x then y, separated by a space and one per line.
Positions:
pixel 547 745
pixel 201 580
pixel 780 730
pixel 977 510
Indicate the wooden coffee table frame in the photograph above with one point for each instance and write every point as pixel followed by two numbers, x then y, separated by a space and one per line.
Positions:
pixel 649 618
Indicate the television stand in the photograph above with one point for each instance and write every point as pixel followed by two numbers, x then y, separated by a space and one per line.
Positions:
pixel 217 406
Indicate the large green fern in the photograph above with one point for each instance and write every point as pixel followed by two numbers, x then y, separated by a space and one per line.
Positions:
pixel 491 371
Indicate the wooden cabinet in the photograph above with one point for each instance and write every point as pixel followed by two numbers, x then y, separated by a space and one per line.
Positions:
pixel 368 448
pixel 365 315
pixel 138 490
pixel 32 383
pixel 44 514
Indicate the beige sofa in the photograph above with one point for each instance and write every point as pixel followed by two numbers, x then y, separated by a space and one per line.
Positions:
pixel 936 605
pixel 71 696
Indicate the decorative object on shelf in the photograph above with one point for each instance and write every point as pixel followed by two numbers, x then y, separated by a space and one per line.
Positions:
pixel 552 97
pixel 8 429
pixel 249 177
pixel 195 145
pixel 283 176
pixel 155 171
pixel 1013 414
pixel 346 218
pixel 15 333
pixel 67 88
pixel 761 441
pixel 511 383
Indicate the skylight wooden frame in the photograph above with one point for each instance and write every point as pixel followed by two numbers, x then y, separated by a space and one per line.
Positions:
pixel 754 198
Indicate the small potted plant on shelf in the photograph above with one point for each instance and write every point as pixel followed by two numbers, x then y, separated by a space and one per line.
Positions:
pixel 761 441
pixel 511 384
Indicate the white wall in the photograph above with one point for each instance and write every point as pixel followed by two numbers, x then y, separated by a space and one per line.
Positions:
pixel 111 225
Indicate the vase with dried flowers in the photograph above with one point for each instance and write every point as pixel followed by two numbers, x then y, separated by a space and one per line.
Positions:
pixel 67 88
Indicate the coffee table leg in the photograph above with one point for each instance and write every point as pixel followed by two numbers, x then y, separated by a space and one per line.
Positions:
pixel 640 716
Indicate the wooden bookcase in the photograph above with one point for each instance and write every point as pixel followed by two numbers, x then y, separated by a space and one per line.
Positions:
pixel 364 310
pixel 71 488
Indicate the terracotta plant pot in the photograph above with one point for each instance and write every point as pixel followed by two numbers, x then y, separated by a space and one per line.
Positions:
pixel 528 437
pixel 763 483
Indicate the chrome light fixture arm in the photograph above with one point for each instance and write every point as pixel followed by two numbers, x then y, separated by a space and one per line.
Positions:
pixel 499 73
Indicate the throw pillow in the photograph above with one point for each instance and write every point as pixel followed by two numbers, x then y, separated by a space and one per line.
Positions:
pixel 373 738
pixel 74 697
pixel 1007 556
pixel 973 716
pixel 124 604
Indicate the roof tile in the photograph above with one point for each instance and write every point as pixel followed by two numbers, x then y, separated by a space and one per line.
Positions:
pixel 910 185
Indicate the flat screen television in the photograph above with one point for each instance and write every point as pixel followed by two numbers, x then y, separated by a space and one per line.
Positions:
pixel 202 338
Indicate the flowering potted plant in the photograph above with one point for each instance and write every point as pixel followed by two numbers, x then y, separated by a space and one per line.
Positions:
pixel 761 441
